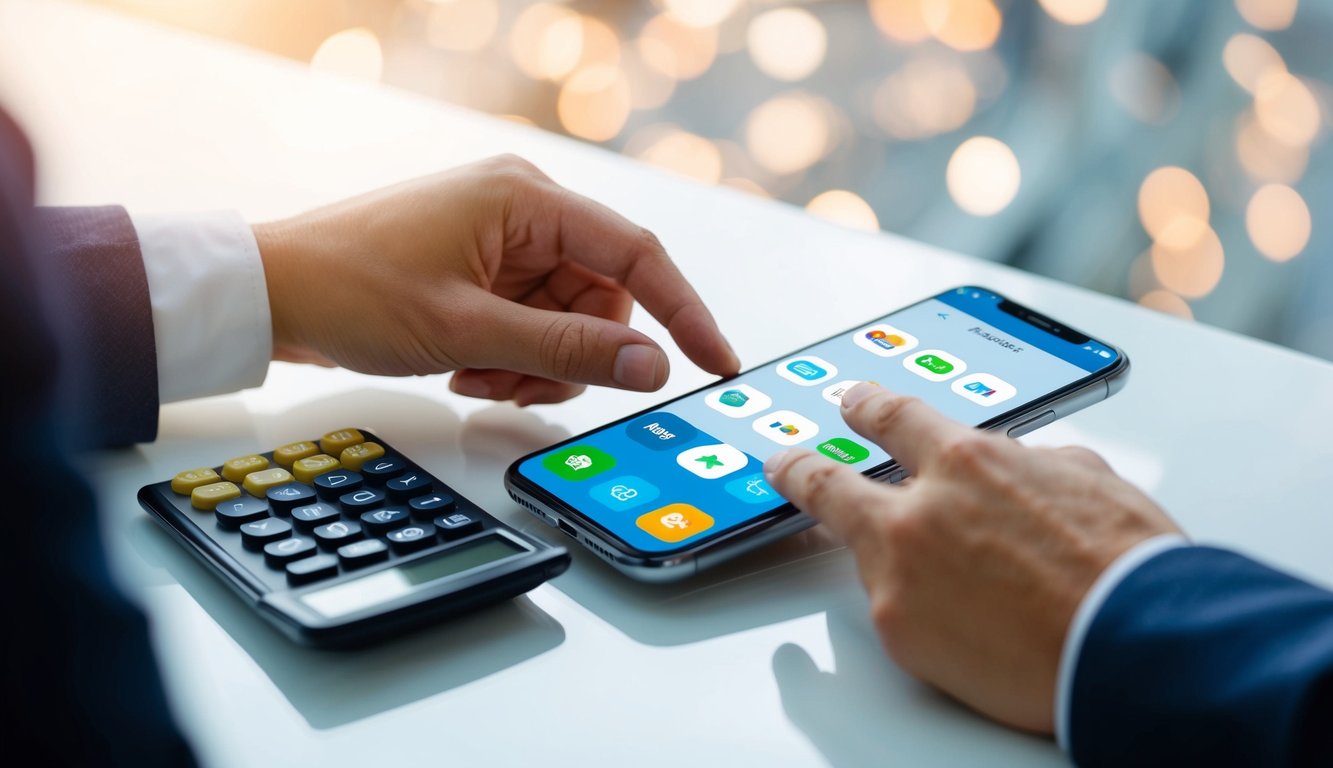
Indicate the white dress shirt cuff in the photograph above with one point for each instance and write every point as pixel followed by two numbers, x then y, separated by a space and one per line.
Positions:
pixel 1106 583
pixel 210 303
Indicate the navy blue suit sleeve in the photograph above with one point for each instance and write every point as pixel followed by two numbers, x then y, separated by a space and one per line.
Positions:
pixel 1204 657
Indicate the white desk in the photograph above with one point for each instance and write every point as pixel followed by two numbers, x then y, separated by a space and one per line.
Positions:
pixel 770 661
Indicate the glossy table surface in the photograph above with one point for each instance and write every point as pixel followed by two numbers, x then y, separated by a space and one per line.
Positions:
pixel 770 660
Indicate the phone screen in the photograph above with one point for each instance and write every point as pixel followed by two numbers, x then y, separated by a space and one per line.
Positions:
pixel 692 468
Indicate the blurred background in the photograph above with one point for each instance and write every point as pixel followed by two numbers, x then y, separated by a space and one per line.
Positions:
pixel 1172 152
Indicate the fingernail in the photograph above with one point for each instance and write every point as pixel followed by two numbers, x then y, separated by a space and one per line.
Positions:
pixel 639 366
pixel 774 463
pixel 858 393
pixel 470 387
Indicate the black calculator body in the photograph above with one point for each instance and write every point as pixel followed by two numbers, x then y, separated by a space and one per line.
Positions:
pixel 346 556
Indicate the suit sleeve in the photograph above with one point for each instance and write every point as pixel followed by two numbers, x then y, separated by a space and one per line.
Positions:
pixel 1204 657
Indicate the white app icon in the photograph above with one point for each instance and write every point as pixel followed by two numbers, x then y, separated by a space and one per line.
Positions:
pixel 834 393
pixel 934 365
pixel 984 389
pixel 806 370
pixel 738 401
pixel 712 461
pixel 884 340
pixel 785 427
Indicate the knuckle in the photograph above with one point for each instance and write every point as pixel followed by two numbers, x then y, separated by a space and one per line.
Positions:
pixel 821 481
pixel 650 243
pixel 1084 456
pixel 968 454
pixel 887 612
pixel 564 348
pixel 886 413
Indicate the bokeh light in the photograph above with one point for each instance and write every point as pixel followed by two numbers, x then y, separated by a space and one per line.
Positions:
pixel 546 41
pixel 594 104
pixel 1193 270
pixel 964 25
pixel 983 176
pixel 353 53
pixel 788 133
pixel 929 95
pixel 1074 12
pixel 1278 221
pixel 787 43
pixel 700 13
pixel 684 153
pixel 901 20
pixel 845 208
pixel 1265 158
pixel 1167 303
pixel 1267 14
pixel 1173 207
pixel 1286 108
pixel 676 49
pixel 461 25
pixel 1249 58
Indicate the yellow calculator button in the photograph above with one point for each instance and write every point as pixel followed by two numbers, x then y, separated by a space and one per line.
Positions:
pixel 236 469
pixel 209 496
pixel 310 467
pixel 353 457
pixel 187 481
pixel 335 442
pixel 292 452
pixel 258 483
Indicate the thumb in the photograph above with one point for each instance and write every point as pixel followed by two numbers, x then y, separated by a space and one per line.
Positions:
pixel 564 346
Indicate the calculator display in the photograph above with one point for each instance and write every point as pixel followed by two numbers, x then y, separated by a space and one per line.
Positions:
pixel 351 596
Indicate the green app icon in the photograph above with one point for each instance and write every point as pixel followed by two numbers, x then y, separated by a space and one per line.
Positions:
pixel 934 364
pixel 578 462
pixel 844 450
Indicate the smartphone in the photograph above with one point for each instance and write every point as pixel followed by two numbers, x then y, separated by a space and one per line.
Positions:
pixel 678 488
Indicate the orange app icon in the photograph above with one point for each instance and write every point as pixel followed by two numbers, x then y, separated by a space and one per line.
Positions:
pixel 675 522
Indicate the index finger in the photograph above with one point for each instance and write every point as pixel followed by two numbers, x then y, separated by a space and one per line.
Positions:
pixel 908 429
pixel 603 240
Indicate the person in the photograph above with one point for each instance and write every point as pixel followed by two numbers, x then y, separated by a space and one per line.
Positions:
pixel 520 287
pixel 1039 588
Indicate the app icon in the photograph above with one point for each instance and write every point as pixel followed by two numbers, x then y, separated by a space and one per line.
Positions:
pixel 844 450
pixel 753 489
pixel 984 389
pixel 675 522
pixel 785 427
pixel 712 461
pixel 834 393
pixel 934 365
pixel 738 401
pixel 578 462
pixel 806 370
pixel 661 431
pixel 884 340
pixel 625 492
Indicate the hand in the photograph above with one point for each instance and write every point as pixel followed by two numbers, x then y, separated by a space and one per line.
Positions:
pixel 975 566
pixel 490 270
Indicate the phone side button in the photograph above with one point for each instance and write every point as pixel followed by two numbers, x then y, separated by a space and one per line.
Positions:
pixel 1036 422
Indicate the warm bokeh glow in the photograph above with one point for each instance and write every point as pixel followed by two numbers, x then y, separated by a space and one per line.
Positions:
pixel 1173 206
pixel 650 88
pixel 846 208
pixel 677 50
pixel 927 96
pixel 964 25
pixel 700 13
pixel 901 20
pixel 1268 14
pixel 686 154
pixel 1249 58
pixel 1074 12
pixel 787 43
pixel 788 133
pixel 461 25
pixel 1278 221
pixel 983 176
pixel 1192 271
pixel 1263 157
pixel 353 53
pixel 594 103
pixel 1286 108
pixel 1145 88
pixel 546 41
pixel 1168 303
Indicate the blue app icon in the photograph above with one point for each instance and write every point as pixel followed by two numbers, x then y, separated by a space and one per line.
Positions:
pixel 661 431
pixel 806 370
pixel 753 489
pixel 625 492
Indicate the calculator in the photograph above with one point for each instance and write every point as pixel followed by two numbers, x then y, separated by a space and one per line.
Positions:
pixel 343 541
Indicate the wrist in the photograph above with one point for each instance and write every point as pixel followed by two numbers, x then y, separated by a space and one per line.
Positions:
pixel 278 252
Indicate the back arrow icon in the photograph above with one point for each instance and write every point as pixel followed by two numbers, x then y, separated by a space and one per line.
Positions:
pixel 942 315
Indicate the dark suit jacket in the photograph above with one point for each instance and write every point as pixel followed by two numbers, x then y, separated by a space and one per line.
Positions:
pixel 80 683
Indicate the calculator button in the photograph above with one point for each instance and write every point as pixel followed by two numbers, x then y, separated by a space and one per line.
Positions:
pixel 311 569
pixel 233 512
pixel 458 525
pixel 258 483
pixel 431 504
pixel 408 486
pixel 279 553
pixel 380 471
pixel 411 538
pixel 381 521
pixel 360 501
pixel 236 469
pixel 338 533
pixel 285 498
pixel 311 515
pixel 331 485
pixel 260 532
pixel 307 469
pixel 361 553
pixel 187 481
pixel 290 453
pixel 354 456
pixel 208 496
pixel 334 442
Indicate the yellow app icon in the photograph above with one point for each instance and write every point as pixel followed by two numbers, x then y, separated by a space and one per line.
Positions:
pixel 675 522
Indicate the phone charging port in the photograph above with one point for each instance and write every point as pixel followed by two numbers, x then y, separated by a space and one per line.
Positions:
pixel 567 528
